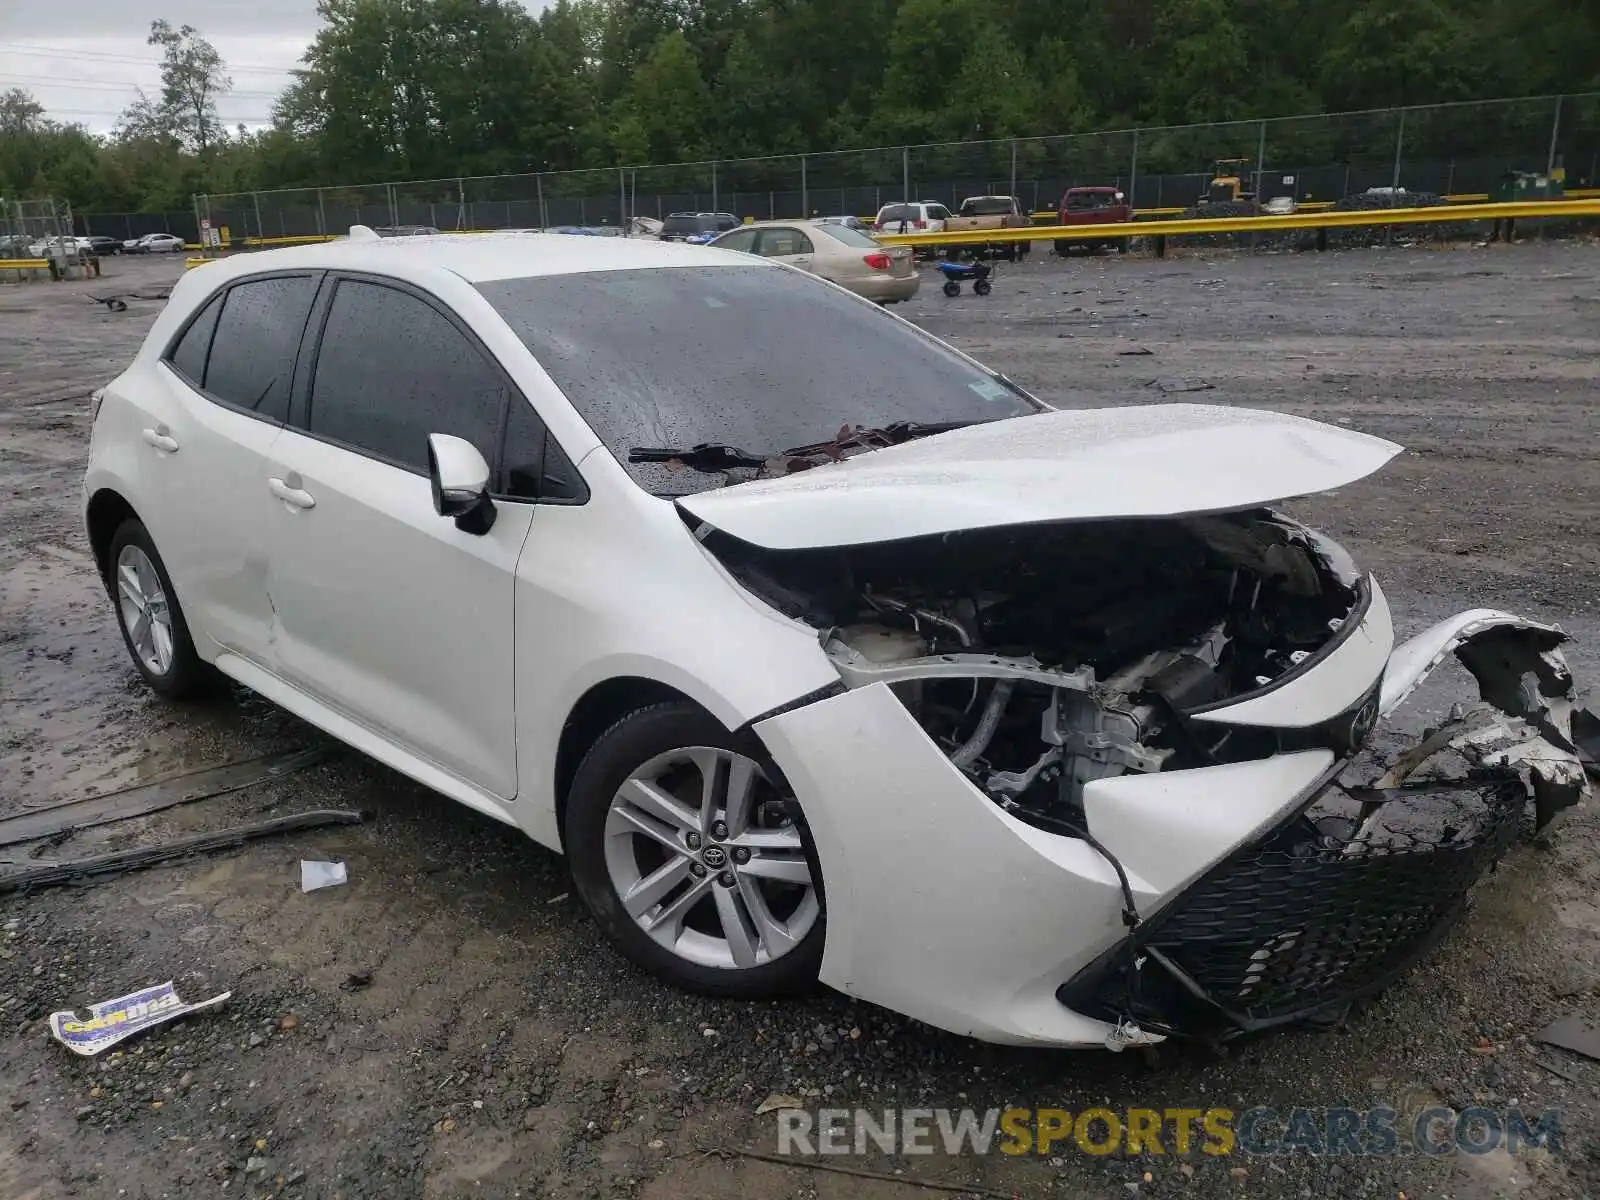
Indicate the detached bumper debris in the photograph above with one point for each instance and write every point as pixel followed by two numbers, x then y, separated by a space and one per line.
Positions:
pixel 113 1021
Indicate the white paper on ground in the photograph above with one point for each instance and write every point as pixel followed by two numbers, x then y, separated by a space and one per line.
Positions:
pixel 314 875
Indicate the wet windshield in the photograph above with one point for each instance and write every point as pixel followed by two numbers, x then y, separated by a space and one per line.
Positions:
pixel 750 357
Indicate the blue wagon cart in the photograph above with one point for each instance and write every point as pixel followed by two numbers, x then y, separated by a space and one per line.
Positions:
pixel 955 274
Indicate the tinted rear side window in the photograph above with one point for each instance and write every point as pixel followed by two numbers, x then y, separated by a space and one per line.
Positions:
pixel 257 336
pixel 188 357
pixel 850 237
pixel 392 369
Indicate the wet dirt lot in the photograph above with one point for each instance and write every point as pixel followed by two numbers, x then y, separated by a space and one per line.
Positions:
pixel 457 1029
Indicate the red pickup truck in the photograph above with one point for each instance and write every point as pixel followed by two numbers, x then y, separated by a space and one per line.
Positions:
pixel 1093 206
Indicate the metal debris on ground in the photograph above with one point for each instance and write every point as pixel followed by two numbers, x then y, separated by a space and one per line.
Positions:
pixel 1574 1033
pixel 112 1021
pixel 811 1164
pixel 81 870
pixel 777 1102
pixel 316 875
pixel 146 798
pixel 1135 352
pixel 1172 383
pixel 119 302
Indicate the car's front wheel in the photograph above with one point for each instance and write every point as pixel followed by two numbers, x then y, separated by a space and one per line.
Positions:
pixel 152 623
pixel 694 863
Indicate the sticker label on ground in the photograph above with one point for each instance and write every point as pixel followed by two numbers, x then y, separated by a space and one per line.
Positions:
pixel 111 1021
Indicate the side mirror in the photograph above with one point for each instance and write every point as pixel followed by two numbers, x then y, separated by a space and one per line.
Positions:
pixel 460 480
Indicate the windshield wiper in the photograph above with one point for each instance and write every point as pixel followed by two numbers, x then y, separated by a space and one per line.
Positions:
pixel 718 456
pixel 854 436
pixel 707 456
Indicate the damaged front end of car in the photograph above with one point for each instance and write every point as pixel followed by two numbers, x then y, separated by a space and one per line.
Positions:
pixel 1058 665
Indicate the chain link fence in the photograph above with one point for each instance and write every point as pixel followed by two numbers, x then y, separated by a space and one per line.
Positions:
pixel 1462 150
pixel 26 223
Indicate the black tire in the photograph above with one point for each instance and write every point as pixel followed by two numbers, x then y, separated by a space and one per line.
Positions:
pixel 1122 245
pixel 621 750
pixel 952 288
pixel 187 676
pixel 983 287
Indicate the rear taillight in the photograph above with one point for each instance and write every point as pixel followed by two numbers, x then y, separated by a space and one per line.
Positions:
pixel 877 227
pixel 920 224
pixel 878 262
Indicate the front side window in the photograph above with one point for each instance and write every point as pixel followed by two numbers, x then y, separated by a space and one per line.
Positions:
pixel 391 369
pixel 251 365
pixel 678 356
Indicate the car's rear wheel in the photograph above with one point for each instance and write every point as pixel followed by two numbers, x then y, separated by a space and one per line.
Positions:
pixel 693 862
pixel 151 620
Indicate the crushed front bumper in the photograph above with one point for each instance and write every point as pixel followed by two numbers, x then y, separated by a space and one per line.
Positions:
pixel 1298 925
pixel 1262 892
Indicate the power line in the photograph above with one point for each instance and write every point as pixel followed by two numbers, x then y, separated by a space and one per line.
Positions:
pixel 106 56
pixel 115 85
pixel 117 112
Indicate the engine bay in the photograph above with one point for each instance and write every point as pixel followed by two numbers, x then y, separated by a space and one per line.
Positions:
pixel 1041 658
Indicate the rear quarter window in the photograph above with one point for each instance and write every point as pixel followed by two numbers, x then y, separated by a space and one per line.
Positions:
pixel 188 356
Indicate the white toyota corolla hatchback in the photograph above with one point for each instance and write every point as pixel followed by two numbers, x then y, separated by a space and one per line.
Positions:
pixel 818 648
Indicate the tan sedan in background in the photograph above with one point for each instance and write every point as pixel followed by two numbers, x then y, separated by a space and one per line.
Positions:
pixel 837 253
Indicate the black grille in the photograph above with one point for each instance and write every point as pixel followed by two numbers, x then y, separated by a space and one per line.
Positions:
pixel 1310 918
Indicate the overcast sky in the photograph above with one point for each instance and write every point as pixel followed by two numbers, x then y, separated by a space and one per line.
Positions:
pixel 84 59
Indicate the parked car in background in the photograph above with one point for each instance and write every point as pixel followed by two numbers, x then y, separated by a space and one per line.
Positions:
pixel 696 227
pixel 153 243
pixel 57 246
pixel 837 253
pixel 404 230
pixel 979 213
pixel 911 217
pixel 102 245
pixel 1093 206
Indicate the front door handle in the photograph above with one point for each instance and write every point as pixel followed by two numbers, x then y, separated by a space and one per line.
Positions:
pixel 290 492
pixel 160 439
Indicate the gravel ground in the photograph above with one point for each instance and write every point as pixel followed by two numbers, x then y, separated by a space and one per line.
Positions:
pixel 457 1029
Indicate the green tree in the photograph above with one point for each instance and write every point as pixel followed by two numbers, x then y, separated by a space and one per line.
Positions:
pixel 663 116
pixel 1205 69
pixel 1399 52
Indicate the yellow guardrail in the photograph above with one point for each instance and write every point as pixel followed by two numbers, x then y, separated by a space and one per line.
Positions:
pixel 24 264
pixel 1518 210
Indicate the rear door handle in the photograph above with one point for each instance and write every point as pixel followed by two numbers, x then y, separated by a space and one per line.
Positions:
pixel 289 491
pixel 160 439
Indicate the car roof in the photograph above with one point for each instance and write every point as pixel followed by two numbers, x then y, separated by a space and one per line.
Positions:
pixel 478 257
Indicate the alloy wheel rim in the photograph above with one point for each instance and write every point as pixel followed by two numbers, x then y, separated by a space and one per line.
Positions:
pixel 705 859
pixel 146 616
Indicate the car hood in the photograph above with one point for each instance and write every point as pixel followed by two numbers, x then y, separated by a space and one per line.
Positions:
pixel 1089 464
